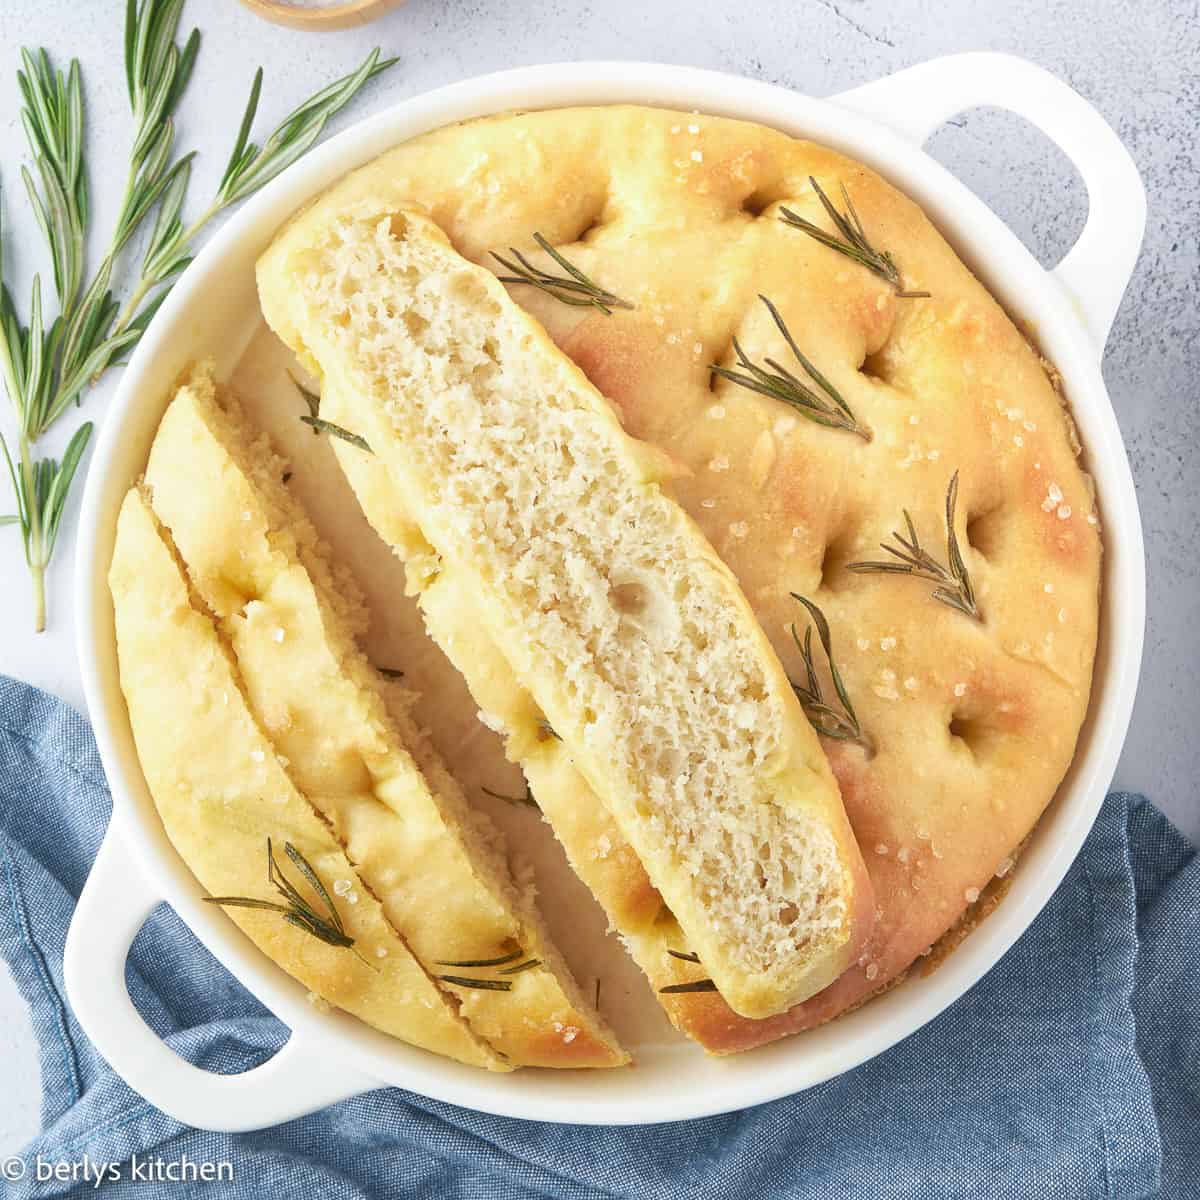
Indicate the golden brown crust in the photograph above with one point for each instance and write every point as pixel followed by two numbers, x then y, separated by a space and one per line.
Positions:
pixel 679 214
pixel 209 766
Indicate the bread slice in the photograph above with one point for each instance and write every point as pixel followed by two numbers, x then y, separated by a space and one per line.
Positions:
pixel 611 608
pixel 221 793
pixel 595 848
pixel 437 867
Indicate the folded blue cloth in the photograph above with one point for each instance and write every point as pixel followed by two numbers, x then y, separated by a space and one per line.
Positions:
pixel 1071 1070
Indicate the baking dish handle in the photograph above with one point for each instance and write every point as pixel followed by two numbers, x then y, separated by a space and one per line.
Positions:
pixel 1097 269
pixel 114 905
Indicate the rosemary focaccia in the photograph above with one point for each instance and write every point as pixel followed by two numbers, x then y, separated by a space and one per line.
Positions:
pixel 966 690
pixel 224 797
pixel 289 618
pixel 629 632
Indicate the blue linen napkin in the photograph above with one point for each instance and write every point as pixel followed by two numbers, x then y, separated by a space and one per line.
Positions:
pixel 1071 1070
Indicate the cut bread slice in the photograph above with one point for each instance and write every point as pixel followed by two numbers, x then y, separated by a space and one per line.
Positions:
pixel 595 848
pixel 615 614
pixel 222 793
pixel 437 867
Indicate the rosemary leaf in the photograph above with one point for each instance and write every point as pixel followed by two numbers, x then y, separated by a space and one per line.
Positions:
pixel 527 799
pixel 823 404
pixel 483 985
pixel 481 962
pixel 390 672
pixel 690 956
pixel 573 288
pixel 850 240
pixel 527 965
pixel 698 985
pixel 320 425
pixel 953 582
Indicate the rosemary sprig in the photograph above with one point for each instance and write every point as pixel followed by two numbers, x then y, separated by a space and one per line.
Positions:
pixel 824 406
pixel 953 581
pixel 697 985
pixel 527 965
pixel 574 288
pixel 841 726
pixel 297 910
pixel 851 239
pixel 320 425
pixel 47 364
pixel 527 799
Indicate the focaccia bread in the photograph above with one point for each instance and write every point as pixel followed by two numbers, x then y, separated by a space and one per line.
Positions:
pixel 221 793
pixel 612 609
pixel 973 723
pixel 289 618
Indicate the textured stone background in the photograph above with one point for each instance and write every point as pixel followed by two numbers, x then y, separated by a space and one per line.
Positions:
pixel 1135 62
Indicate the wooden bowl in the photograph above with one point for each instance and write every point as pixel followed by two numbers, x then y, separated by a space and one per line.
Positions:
pixel 326 17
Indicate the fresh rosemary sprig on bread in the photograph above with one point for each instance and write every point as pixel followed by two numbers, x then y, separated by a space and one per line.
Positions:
pixel 297 910
pixel 843 725
pixel 47 364
pixel 953 582
pixel 485 984
pixel 574 288
pixel 851 239
pixel 319 425
pixel 822 404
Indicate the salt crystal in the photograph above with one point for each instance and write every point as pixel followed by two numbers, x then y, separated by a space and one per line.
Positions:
pixel 903 855
pixel 872 970
pixel 863 644
pixel 381 952
pixel 887 643
pixel 911 684
pixel 1053 498
pixel 697 156
pixel 960 689
pixel 709 503
pixel 716 411
pixel 341 887
pixel 697 347
pixel 1048 588
pixel 881 849
pixel 739 529
pixel 1003 867
pixel 1062 616
pixel 693 129
pixel 257 755
pixel 278 635
pixel 1064 511
pixel 720 463
pixel 971 894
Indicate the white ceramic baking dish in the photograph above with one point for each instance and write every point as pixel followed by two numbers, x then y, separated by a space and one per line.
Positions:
pixel 211 312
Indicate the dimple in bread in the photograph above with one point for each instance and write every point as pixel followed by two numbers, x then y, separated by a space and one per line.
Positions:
pixel 289 618
pixel 209 767
pixel 615 614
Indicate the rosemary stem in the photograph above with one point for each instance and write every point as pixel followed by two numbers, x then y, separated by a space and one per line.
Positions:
pixel 37 551
pixel 145 283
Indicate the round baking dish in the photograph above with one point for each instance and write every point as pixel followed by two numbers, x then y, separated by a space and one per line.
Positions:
pixel 210 313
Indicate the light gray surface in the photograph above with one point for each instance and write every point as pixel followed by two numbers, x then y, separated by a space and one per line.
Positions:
pixel 1135 62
